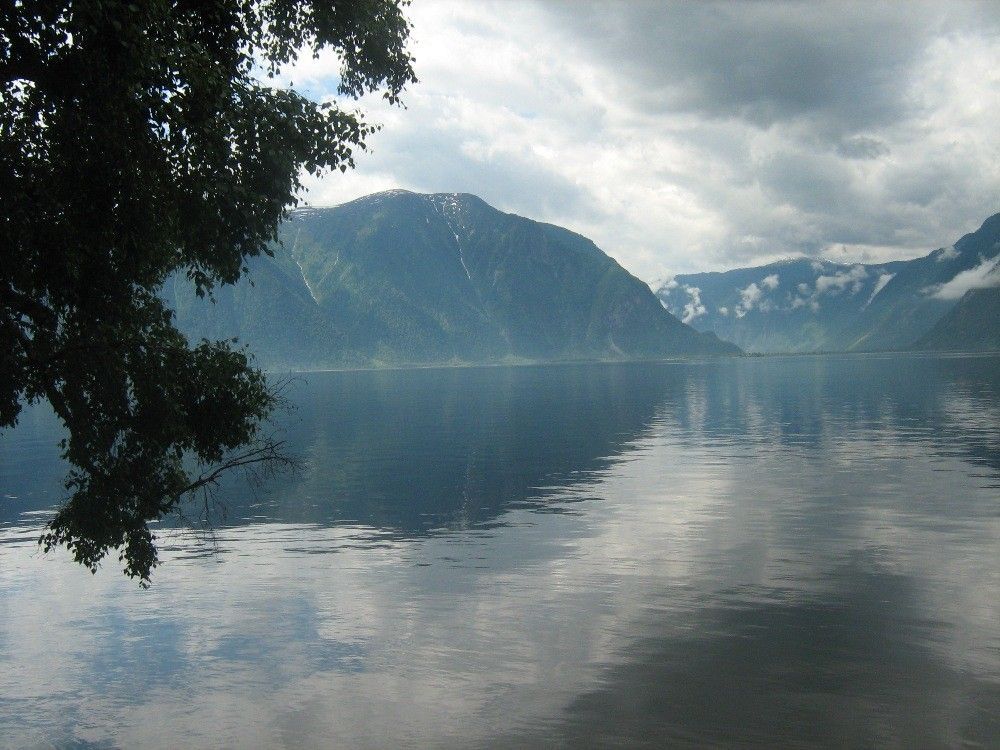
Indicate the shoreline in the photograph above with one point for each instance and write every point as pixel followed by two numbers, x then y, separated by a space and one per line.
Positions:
pixel 681 359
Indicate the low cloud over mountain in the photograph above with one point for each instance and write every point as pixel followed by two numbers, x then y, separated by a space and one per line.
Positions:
pixel 812 305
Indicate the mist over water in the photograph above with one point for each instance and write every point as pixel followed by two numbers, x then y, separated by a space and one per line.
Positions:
pixel 758 552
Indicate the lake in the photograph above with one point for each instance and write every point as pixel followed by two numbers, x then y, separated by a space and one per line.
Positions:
pixel 782 551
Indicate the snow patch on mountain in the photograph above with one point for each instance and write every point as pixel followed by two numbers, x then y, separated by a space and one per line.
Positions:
pixel 446 205
pixel 302 273
pixel 883 279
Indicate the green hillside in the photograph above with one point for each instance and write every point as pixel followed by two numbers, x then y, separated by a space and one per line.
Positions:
pixel 971 326
pixel 403 278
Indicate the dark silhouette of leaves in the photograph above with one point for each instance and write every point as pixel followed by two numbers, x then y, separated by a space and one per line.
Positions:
pixel 137 139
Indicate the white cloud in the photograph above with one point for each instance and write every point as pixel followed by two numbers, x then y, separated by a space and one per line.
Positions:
pixel 723 311
pixel 748 298
pixel 983 276
pixel 754 296
pixel 946 253
pixel 852 280
pixel 838 282
pixel 641 126
pixel 694 308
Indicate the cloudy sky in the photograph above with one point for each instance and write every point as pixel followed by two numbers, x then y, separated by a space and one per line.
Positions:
pixel 696 136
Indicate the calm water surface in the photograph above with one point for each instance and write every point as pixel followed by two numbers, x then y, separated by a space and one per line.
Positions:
pixel 773 552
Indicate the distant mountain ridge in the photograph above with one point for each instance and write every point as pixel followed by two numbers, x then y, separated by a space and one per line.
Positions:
pixel 805 305
pixel 402 278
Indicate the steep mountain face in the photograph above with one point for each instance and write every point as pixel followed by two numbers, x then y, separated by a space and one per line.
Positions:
pixel 973 325
pixel 398 278
pixel 925 289
pixel 270 309
pixel 802 305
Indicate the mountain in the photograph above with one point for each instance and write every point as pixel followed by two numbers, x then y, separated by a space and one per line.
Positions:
pixel 925 289
pixel 963 329
pixel 403 278
pixel 790 306
pixel 807 305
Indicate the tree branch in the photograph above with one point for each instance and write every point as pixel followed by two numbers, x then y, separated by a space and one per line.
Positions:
pixel 269 453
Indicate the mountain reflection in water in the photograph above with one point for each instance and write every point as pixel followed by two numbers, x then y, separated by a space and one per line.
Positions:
pixel 761 552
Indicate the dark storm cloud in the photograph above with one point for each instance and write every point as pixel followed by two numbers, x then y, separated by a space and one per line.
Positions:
pixel 810 184
pixel 862 147
pixel 844 66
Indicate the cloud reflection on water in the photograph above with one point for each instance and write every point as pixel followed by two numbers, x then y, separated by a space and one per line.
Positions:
pixel 798 550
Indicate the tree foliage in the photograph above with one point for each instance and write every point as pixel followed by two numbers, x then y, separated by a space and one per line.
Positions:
pixel 138 140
